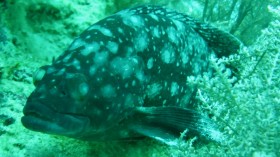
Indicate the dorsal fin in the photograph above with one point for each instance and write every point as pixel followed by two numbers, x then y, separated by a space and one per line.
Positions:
pixel 221 42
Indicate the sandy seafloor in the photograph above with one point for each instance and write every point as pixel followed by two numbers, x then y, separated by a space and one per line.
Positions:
pixel 32 32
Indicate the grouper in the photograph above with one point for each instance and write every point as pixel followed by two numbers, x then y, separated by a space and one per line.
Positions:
pixel 125 77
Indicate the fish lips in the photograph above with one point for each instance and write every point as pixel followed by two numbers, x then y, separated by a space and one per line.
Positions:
pixel 39 117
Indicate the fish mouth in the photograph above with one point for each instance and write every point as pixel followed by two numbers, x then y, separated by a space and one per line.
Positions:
pixel 39 117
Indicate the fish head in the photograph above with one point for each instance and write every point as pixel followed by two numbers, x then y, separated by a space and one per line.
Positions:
pixel 62 104
pixel 51 108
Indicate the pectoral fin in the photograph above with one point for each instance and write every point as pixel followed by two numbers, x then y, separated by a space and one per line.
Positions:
pixel 167 123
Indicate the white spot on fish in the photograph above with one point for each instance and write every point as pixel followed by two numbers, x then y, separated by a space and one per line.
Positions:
pixel 120 30
pixel 133 20
pixel 133 83
pixel 108 91
pixel 83 89
pixel 158 12
pixel 61 71
pixel 171 32
pixel 153 16
pixel 185 99
pixel 167 54
pixel 41 89
pixel 76 64
pixel 124 66
pixel 40 74
pixel 112 47
pixel 120 40
pixel 100 58
pixel 180 26
pixel 184 57
pixel 66 58
pixel 174 88
pixel 129 51
pixel 53 90
pixel 126 85
pixel 103 30
pixel 89 48
pixel 69 75
pixel 154 48
pixel 92 70
pixel 164 102
pixel 98 79
pixel 196 68
pixel 103 70
pixel 88 36
pixel 155 32
pixel 153 90
pixel 150 63
pixel 129 101
pixel 50 70
pixel 141 42
pixel 140 76
pixel 76 44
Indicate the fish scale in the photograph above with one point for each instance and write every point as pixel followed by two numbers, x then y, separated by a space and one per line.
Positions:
pixel 126 75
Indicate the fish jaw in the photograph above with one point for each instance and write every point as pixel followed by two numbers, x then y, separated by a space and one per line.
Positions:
pixel 39 117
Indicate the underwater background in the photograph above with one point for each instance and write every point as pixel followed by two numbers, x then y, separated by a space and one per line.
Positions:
pixel 246 106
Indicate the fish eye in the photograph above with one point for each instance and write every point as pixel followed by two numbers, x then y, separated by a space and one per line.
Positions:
pixel 38 76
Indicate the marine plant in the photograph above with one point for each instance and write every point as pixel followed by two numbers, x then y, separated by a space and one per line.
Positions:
pixel 247 104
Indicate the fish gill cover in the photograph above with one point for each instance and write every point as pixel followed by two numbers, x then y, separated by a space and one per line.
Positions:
pixel 245 106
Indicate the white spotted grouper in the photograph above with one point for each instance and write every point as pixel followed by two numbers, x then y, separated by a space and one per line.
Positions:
pixel 125 77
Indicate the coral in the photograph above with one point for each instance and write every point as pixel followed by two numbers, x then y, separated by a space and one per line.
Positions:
pixel 250 106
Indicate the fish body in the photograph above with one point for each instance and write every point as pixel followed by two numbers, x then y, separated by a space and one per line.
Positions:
pixel 125 77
